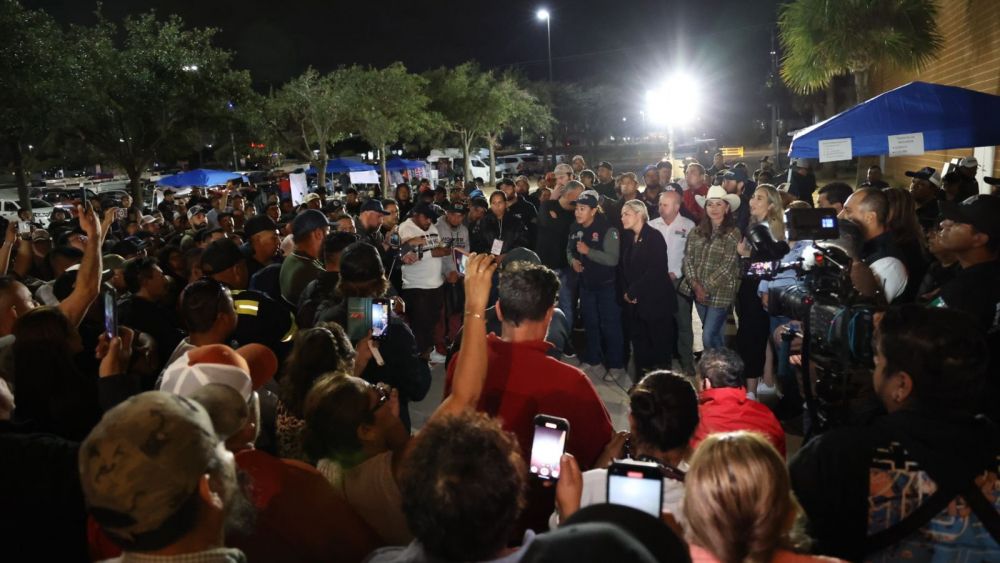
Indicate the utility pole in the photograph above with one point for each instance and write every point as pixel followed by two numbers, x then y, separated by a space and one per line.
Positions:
pixel 774 103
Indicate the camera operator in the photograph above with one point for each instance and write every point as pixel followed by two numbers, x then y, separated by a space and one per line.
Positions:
pixel 916 482
pixel 869 209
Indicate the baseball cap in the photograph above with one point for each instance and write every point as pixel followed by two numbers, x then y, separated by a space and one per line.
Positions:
pixel 127 247
pixel 112 262
pixel 427 210
pixel 374 205
pixel 147 219
pixel 649 168
pixel 457 207
pixel 310 197
pixel 225 406
pixel 981 211
pixel 245 369
pixel 351 190
pixel 674 187
pixel 479 202
pixel 258 224
pixel 649 531
pixel 220 255
pixel 143 461
pixel 969 162
pixel 587 541
pixel 308 221
pixel 737 174
pixel 168 191
pixel 926 173
pixel 606 164
pixel 360 262
pixel 195 210
pixel 39 235
pixel 590 198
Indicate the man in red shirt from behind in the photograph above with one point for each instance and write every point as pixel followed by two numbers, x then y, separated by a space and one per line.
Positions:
pixel 723 403
pixel 523 381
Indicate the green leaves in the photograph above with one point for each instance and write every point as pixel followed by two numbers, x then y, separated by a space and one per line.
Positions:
pixel 826 38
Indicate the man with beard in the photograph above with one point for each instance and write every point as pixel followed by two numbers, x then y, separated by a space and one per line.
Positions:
pixel 159 482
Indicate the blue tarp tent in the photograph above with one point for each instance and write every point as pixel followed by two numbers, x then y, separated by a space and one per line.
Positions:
pixel 340 165
pixel 398 164
pixel 199 178
pixel 949 118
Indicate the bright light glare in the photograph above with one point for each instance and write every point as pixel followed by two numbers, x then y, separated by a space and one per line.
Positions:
pixel 542 14
pixel 673 103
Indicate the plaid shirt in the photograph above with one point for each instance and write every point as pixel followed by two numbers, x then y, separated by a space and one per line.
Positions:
pixel 715 263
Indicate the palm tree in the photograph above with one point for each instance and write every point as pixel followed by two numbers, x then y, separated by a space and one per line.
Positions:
pixel 826 38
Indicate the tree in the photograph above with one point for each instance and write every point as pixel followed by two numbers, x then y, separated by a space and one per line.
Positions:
pixel 826 38
pixel 566 104
pixel 600 112
pixel 31 60
pixel 510 106
pixel 461 96
pixel 390 104
pixel 310 112
pixel 147 89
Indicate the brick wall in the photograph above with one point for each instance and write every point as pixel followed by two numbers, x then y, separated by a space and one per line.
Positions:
pixel 969 58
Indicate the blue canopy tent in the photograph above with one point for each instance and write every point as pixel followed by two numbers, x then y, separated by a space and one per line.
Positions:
pixel 341 165
pixel 397 164
pixel 200 177
pixel 948 117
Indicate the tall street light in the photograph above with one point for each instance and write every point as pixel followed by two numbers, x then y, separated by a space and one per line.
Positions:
pixel 543 14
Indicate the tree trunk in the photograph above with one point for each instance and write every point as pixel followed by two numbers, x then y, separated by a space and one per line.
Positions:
pixel 135 181
pixel 493 160
pixel 466 144
pixel 830 108
pixel 385 173
pixel 862 91
pixel 321 169
pixel 23 197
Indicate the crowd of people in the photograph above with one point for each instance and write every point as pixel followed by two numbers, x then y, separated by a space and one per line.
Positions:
pixel 227 376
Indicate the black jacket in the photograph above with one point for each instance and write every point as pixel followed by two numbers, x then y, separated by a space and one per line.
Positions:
pixel 511 230
pixel 643 274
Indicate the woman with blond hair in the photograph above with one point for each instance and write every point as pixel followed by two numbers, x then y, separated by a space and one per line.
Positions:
pixel 753 321
pixel 738 503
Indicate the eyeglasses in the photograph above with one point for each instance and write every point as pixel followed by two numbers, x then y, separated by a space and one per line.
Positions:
pixel 384 392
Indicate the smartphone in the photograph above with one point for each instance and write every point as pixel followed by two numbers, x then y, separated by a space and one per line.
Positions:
pixel 83 197
pixel 24 228
pixel 761 269
pixel 461 262
pixel 636 484
pixel 380 318
pixel 110 314
pixel 548 446
pixel 121 213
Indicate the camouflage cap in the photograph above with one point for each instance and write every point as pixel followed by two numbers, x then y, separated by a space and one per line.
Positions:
pixel 143 460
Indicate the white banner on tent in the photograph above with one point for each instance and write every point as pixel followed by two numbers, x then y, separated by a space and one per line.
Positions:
pixel 364 177
pixel 908 144
pixel 299 186
pixel 832 150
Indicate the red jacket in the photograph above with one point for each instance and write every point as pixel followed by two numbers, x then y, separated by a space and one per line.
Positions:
pixel 692 205
pixel 727 409
pixel 522 382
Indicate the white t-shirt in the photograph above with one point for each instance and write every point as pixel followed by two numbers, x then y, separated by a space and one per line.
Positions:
pixel 675 234
pixel 595 491
pixel 891 273
pixel 428 272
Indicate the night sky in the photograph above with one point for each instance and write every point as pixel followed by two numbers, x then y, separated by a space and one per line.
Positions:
pixel 631 43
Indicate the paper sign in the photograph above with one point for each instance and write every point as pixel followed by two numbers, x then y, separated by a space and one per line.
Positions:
pixel 831 150
pixel 365 177
pixel 908 144
pixel 298 186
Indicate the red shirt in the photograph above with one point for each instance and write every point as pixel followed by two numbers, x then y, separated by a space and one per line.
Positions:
pixel 522 382
pixel 727 409
pixel 692 205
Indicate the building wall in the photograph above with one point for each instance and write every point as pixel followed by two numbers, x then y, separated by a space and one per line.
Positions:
pixel 969 58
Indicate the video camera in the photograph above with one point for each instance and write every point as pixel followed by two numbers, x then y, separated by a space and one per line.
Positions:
pixel 837 322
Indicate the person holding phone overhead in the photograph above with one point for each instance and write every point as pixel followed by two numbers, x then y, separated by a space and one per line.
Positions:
pixel 663 416
pixel 353 427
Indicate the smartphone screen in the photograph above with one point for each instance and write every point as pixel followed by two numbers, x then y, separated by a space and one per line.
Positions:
pixel 548 446
pixel 380 318
pixel 638 485
pixel 760 269
pixel 110 315
pixel 461 262
pixel 121 212
pixel 24 228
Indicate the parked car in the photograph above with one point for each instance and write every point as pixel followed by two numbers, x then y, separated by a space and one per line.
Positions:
pixel 60 195
pixel 40 209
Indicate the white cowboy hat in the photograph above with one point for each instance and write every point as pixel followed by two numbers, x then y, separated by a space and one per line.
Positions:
pixel 718 192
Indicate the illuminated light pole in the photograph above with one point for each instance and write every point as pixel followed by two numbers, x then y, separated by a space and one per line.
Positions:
pixel 543 14
pixel 672 104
